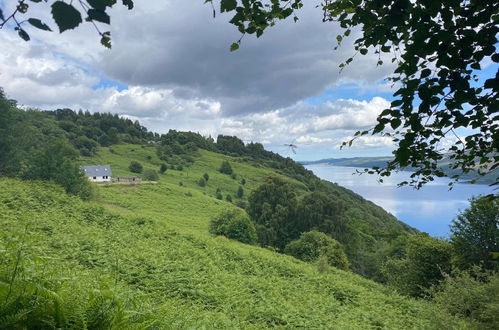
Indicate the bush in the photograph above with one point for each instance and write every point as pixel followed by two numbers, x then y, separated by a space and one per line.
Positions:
pixel 240 192
pixel 219 194
pixel 150 175
pixel 470 294
pixel 234 224
pixel 206 177
pixel 243 181
pixel 163 168
pixel 135 167
pixel 225 168
pixel 228 198
pixel 233 176
pixel 201 182
pixel 313 245
pixel 180 168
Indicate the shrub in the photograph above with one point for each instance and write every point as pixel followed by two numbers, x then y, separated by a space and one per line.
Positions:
pixel 163 168
pixel 233 176
pixel 313 245
pixel 243 181
pixel 206 177
pixel 181 183
pixel 150 175
pixel 225 168
pixel 201 182
pixel 135 167
pixel 470 294
pixel 240 192
pixel 234 224
pixel 219 194
pixel 180 168
pixel 228 198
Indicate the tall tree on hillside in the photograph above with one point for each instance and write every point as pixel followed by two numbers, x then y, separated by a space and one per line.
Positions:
pixel 272 207
pixel 475 232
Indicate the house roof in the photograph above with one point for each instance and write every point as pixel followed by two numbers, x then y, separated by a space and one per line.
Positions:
pixel 99 170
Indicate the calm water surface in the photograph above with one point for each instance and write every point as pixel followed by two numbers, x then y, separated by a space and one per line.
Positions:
pixel 429 209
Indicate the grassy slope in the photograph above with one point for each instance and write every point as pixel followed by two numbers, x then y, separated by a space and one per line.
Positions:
pixel 166 277
pixel 168 200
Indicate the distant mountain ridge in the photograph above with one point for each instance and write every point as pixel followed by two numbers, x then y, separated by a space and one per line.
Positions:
pixel 369 162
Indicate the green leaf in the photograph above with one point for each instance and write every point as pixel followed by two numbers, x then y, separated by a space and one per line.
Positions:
pixel 228 5
pixel 339 38
pixel 65 16
pixel 128 3
pixel 39 24
pixel 23 34
pixel 234 47
pixel 363 51
pixel 1 15
pixel 99 15
pixel 98 4
pixel 425 73
pixel 105 39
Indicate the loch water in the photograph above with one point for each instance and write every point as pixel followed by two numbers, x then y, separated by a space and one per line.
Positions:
pixel 429 209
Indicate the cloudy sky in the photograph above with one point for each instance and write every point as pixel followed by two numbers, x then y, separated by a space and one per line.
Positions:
pixel 170 67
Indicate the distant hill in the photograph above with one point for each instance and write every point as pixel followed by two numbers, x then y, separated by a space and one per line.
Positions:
pixel 369 162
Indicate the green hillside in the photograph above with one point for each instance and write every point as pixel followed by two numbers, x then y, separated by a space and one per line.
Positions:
pixel 73 264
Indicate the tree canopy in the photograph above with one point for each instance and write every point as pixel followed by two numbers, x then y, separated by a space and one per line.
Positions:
pixel 445 104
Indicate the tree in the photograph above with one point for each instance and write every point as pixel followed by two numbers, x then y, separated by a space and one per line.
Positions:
pixel 313 245
pixel 320 211
pixel 240 192
pixel 272 207
pixel 135 167
pixel 475 232
pixel 163 168
pixel 225 168
pixel 206 177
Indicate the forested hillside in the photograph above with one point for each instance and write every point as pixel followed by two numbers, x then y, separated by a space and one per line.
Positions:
pixel 164 253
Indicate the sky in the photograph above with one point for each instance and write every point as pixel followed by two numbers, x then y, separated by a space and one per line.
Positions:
pixel 170 68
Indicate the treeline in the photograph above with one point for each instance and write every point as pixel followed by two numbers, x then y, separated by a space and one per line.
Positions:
pixel 45 145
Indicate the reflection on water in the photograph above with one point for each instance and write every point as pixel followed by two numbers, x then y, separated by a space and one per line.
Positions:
pixel 429 209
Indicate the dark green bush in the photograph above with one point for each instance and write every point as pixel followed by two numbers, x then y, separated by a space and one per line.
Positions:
pixel 206 177
pixel 240 192
pixel 313 244
pixel 225 168
pixel 163 168
pixel 135 167
pixel 234 224
pixel 201 182
pixel 228 198
pixel 150 175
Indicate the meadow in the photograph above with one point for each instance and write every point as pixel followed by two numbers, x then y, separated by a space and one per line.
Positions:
pixel 67 263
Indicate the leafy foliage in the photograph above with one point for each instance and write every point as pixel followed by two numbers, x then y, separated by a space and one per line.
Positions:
pixel 234 224
pixel 475 232
pixel 313 244
pixel 135 167
pixel 150 175
pixel 225 168
pixel 470 294
pixel 425 262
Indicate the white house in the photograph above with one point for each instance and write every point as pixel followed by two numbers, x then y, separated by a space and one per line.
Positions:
pixel 100 173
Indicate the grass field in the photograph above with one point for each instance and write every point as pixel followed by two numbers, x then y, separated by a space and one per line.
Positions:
pixel 125 263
